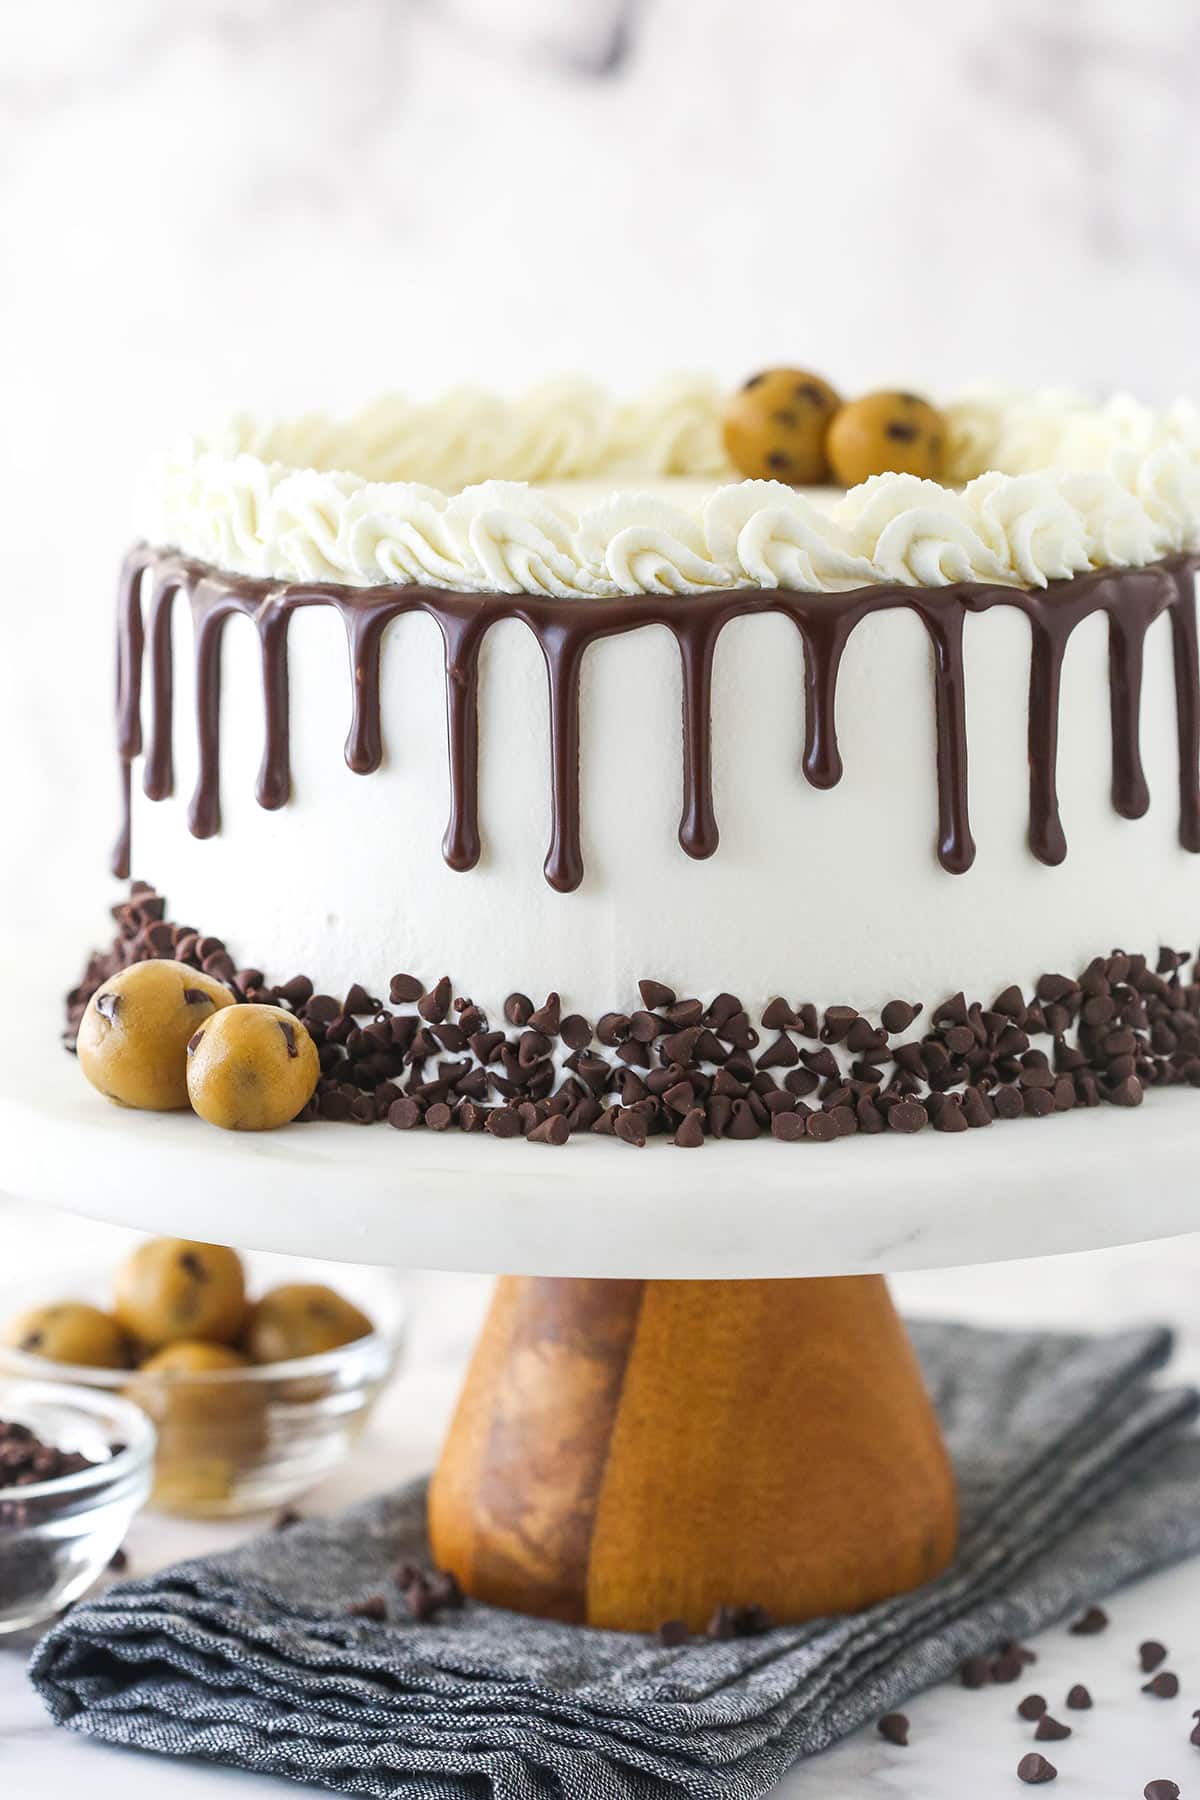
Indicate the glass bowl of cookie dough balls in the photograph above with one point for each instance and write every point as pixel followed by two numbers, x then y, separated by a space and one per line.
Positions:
pixel 75 1466
pixel 257 1373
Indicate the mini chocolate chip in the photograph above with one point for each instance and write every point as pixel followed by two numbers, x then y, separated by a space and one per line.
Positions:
pixel 898 1015
pixel 820 1127
pixel 1089 1623
pixel 655 994
pixel 404 1114
pixel 1007 1667
pixel 434 1005
pixel 1079 1699
pixel 1163 1687
pixel 554 1130
pixel 438 1117
pixel 575 1031
pixel 689 1133
pixel 1161 1790
pixel 1151 1654
pixel 1051 1730
pixel 285 1518
pixel 118 1562
pixel 908 1115
pixel 630 1127
pixel 1034 1769
pixel 893 1727
pixel 1032 1706
pixel 546 1018
pixel 672 1633
pixel 788 1127
pixel 405 988
pixel 373 1607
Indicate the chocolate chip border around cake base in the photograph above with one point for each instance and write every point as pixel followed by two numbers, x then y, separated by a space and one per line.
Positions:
pixel 690 1072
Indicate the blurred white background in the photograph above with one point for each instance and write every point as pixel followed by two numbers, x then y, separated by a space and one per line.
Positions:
pixel 290 201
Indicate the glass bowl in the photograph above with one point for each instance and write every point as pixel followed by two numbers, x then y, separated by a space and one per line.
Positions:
pixel 57 1536
pixel 234 1441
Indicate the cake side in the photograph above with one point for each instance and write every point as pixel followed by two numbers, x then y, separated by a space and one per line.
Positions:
pixel 847 809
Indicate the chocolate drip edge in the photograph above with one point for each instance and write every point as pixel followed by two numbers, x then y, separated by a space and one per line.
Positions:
pixel 564 628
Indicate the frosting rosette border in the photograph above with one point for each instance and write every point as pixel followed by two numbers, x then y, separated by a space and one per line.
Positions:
pixel 458 494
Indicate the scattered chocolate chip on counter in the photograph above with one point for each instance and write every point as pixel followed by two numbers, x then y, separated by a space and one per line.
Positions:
pixel 1161 1790
pixel 672 1633
pixel 1079 1699
pixel 894 1728
pixel 738 1622
pixel 374 1607
pixel 1094 1620
pixel 1032 1706
pixel 1151 1655
pixel 1034 1769
pixel 118 1562
pixel 427 1592
pixel 1164 1686
pixel 1051 1730
pixel 975 1672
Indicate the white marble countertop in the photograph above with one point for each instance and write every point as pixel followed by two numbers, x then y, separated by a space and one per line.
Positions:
pixel 961 1743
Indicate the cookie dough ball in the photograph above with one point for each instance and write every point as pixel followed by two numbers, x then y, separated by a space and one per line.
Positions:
pixel 251 1068
pixel 886 434
pixel 68 1331
pixel 301 1319
pixel 172 1289
pixel 210 1431
pixel 133 1038
pixel 776 426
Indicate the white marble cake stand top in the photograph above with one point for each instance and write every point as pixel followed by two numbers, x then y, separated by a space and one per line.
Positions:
pixel 1074 1181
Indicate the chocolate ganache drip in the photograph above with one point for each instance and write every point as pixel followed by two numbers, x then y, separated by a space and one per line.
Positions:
pixel 1130 598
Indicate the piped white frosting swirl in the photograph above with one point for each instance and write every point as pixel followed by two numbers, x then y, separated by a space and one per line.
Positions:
pixel 454 495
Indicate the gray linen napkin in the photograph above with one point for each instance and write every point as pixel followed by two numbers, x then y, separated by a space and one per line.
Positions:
pixel 1075 1473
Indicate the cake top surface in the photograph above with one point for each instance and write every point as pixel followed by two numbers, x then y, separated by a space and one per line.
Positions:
pixel 566 491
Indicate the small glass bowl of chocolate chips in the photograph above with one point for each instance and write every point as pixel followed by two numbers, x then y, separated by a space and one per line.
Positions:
pixel 75 1466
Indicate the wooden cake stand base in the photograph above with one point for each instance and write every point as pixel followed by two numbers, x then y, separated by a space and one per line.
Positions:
pixel 627 1452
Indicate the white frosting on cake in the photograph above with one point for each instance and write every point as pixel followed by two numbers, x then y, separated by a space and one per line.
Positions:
pixel 475 493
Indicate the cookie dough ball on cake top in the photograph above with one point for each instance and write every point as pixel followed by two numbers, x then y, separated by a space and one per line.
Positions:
pixel 776 425
pixel 886 434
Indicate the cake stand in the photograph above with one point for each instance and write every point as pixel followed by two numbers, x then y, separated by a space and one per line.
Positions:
pixel 692 1389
